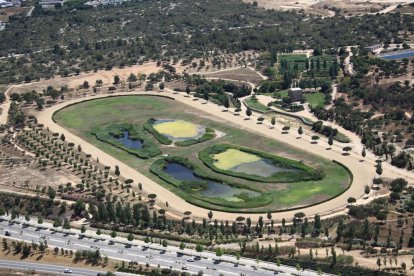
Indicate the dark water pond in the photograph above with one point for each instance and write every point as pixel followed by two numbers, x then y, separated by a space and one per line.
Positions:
pixel 262 168
pixel 129 143
pixel 214 188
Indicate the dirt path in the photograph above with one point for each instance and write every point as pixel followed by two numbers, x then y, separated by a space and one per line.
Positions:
pixel 5 107
pixel 363 171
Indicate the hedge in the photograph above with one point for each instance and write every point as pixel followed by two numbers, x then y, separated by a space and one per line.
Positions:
pixel 210 134
pixel 305 172
pixel 160 137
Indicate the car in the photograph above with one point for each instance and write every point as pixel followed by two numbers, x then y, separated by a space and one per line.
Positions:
pixel 8 234
pixel 184 268
pixel 67 270
pixel 190 260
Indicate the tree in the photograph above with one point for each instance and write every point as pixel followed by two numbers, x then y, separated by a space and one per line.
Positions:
pixel 315 139
pixel 351 200
pixel 199 248
pixel 182 246
pixel 113 234
pixel 219 252
pixel 51 193
pixel 363 153
pixel 226 103
pixel 132 78
pixel 117 172
pixel 300 131
pixel 161 85
pixel 210 214
pixel 367 189
pixel 379 169
pixel 273 121
pixel 164 243
pixel 85 85
pixel 98 232
pixel 130 237
pixel 83 229
pixel 248 113
pixel 379 263
pixel 330 141
pixel 117 80
pixel 187 90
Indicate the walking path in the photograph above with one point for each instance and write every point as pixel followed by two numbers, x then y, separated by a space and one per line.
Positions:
pixel 5 107
pixel 363 171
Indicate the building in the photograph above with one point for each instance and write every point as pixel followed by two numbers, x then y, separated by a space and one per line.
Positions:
pixel 373 48
pixel 5 4
pixel 295 94
pixel 49 3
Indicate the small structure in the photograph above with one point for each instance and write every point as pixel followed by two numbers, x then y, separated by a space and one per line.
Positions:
pixel 5 4
pixel 295 94
pixel 373 48
pixel 50 3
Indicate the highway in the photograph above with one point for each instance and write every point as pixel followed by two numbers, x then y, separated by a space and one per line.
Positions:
pixel 138 251
pixel 47 268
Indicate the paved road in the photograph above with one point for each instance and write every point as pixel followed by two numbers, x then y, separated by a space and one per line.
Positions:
pixel 46 268
pixel 153 254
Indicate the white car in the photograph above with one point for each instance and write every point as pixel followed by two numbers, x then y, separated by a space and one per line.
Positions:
pixel 67 270
pixel 190 260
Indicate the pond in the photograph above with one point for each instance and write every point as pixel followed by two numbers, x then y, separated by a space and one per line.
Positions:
pixel 261 168
pixel 214 188
pixel 397 55
pixel 129 143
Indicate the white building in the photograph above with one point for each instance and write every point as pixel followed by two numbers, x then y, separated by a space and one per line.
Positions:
pixel 5 4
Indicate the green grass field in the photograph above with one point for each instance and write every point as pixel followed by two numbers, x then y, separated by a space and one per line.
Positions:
pixel 84 118
pixel 255 104
pixel 315 99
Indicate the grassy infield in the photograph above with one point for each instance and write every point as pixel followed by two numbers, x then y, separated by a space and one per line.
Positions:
pixel 87 118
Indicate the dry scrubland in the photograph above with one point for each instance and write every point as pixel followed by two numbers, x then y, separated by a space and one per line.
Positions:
pixel 328 7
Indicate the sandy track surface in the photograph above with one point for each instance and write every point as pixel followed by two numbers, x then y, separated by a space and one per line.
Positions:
pixel 363 171
pixel 5 107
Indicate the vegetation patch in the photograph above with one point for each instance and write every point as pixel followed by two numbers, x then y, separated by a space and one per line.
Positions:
pixel 224 158
pixel 112 134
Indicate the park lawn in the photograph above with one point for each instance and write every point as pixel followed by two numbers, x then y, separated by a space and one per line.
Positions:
pixel 315 99
pixel 177 129
pixel 232 158
pixel 255 105
pixel 83 118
